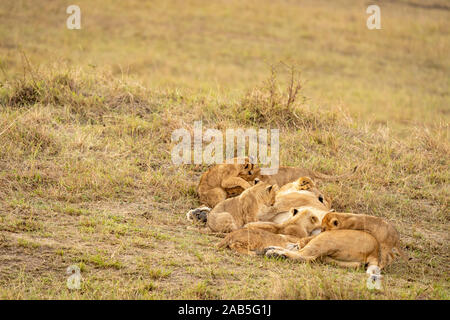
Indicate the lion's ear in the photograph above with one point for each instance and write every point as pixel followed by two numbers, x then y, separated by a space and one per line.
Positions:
pixel 257 181
pixel 329 200
pixel 294 211
pixel 268 189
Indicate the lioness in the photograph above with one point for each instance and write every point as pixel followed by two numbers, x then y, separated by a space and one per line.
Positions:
pixel 256 236
pixel 385 233
pixel 299 185
pixel 301 194
pixel 215 182
pixel 286 175
pixel 345 248
pixel 301 223
pixel 252 241
pixel 233 213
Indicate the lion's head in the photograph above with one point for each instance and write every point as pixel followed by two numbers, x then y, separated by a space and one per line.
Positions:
pixel 307 184
pixel 331 221
pixel 263 192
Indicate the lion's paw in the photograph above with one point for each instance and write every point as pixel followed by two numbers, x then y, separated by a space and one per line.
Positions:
pixel 198 214
pixel 275 253
pixel 271 248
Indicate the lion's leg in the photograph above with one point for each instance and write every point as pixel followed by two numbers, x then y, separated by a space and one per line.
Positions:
pixel 208 231
pixel 250 216
pixel 310 252
pixel 278 252
pixel 263 225
pixel 304 241
pixel 344 264
pixel 242 249
pixel 235 182
pixel 221 222
pixel 299 244
pixel 213 197
pixel 373 260
pixel 267 213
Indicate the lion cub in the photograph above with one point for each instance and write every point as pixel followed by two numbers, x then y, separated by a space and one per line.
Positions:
pixel 233 213
pixel 299 185
pixel 215 182
pixel 301 193
pixel 286 175
pixel 346 248
pixel 385 233
pixel 301 223
pixel 253 241
pixel 256 236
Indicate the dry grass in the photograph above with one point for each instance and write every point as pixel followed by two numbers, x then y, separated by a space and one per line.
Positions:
pixel 85 170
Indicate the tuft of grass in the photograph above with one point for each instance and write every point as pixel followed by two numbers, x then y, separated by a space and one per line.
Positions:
pixel 201 290
pixel 100 261
pixel 158 273
pixel 27 244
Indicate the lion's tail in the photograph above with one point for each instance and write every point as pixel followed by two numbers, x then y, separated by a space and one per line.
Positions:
pixel 326 177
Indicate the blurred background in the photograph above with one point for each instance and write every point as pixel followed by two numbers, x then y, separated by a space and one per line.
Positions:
pixel 398 75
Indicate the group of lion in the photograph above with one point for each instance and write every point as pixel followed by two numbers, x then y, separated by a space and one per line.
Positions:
pixel 285 215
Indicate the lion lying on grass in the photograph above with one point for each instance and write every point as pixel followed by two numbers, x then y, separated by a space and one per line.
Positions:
pixel 284 176
pixel 256 236
pixel 233 213
pixel 384 232
pixel 287 175
pixel 215 182
pixel 280 222
pixel 301 194
pixel 345 248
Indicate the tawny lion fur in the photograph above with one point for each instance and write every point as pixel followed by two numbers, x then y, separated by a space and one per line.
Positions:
pixel 302 193
pixel 385 233
pixel 256 236
pixel 233 213
pixel 215 182
pixel 286 175
pixel 345 248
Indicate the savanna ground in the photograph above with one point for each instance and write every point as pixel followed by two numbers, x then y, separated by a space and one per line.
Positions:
pixel 86 118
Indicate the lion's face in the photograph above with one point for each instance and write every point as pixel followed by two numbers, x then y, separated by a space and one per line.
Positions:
pixel 330 222
pixel 247 171
pixel 309 220
pixel 307 184
pixel 265 192
pixel 269 195
pixel 325 200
